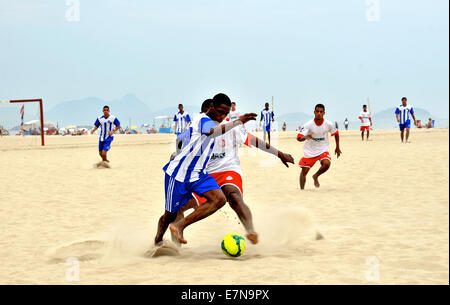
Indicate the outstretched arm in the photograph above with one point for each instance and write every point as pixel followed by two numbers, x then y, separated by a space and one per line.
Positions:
pixel 94 129
pixel 223 128
pixel 262 145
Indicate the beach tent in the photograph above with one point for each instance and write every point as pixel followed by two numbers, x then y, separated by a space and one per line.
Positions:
pixel 164 122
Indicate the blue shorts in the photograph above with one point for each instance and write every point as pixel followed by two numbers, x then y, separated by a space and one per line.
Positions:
pixel 266 128
pixel 179 193
pixel 406 125
pixel 104 145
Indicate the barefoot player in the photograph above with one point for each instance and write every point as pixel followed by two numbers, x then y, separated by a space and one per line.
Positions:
pixel 317 147
pixel 403 113
pixel 186 173
pixel 108 124
pixel 366 122
pixel 225 168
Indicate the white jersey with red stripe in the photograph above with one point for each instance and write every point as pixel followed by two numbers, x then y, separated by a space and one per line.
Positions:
pixel 319 143
pixel 225 155
pixel 365 116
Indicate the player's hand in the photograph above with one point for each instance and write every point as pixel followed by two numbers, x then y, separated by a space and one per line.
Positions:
pixel 398 120
pixel 111 132
pixel 338 152
pixel 92 131
pixel 286 158
pixel 247 117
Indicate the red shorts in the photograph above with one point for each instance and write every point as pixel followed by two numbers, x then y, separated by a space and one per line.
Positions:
pixel 365 128
pixel 309 162
pixel 223 178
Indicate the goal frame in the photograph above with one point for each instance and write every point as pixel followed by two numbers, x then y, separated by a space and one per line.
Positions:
pixel 41 112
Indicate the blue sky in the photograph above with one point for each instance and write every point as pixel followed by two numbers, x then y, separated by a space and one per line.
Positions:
pixel 183 51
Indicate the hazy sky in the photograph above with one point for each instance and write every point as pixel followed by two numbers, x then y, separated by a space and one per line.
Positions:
pixel 167 52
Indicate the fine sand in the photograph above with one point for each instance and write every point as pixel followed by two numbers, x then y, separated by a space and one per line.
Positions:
pixel 383 209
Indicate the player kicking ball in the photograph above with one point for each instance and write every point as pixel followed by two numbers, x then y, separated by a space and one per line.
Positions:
pixel 186 173
pixel 317 147
pixel 108 124
pixel 225 168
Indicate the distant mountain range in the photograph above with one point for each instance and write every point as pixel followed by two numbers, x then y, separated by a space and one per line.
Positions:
pixel 131 110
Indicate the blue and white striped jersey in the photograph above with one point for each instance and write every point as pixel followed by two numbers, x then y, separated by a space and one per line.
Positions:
pixel 404 113
pixel 267 116
pixel 182 119
pixel 106 125
pixel 191 162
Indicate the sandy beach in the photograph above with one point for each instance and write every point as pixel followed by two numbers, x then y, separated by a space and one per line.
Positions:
pixel 383 209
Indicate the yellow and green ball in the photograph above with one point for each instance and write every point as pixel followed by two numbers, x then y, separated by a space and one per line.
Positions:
pixel 233 245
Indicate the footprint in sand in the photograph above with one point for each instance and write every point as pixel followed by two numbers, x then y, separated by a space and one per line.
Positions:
pixel 102 164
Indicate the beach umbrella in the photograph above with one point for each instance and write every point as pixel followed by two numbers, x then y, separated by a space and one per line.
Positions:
pixel 133 127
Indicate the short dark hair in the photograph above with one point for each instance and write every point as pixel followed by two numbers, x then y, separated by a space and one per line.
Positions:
pixel 404 98
pixel 221 99
pixel 320 106
pixel 364 105
pixel 106 107
pixel 206 104
pixel 180 105
pixel 233 103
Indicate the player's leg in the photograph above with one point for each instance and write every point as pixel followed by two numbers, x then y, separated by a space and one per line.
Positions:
pixel 209 189
pixel 402 132
pixel 407 135
pixel 105 149
pixel 176 197
pixel 191 204
pixel 100 149
pixel 163 224
pixel 367 135
pixel 303 174
pixel 325 165
pixel 362 135
pixel 104 155
pixel 234 198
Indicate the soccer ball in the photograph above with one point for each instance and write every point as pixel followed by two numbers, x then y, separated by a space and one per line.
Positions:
pixel 233 244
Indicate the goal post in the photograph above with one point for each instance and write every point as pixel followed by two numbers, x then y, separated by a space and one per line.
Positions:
pixel 41 112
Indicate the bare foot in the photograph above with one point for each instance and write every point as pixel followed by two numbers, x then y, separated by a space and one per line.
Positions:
pixel 253 237
pixel 174 239
pixel 178 233
pixel 316 181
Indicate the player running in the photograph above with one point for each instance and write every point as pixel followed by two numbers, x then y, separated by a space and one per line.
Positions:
pixel 317 147
pixel 402 113
pixel 366 122
pixel 181 119
pixel 108 124
pixel 186 173
pixel 267 117
pixel 225 168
